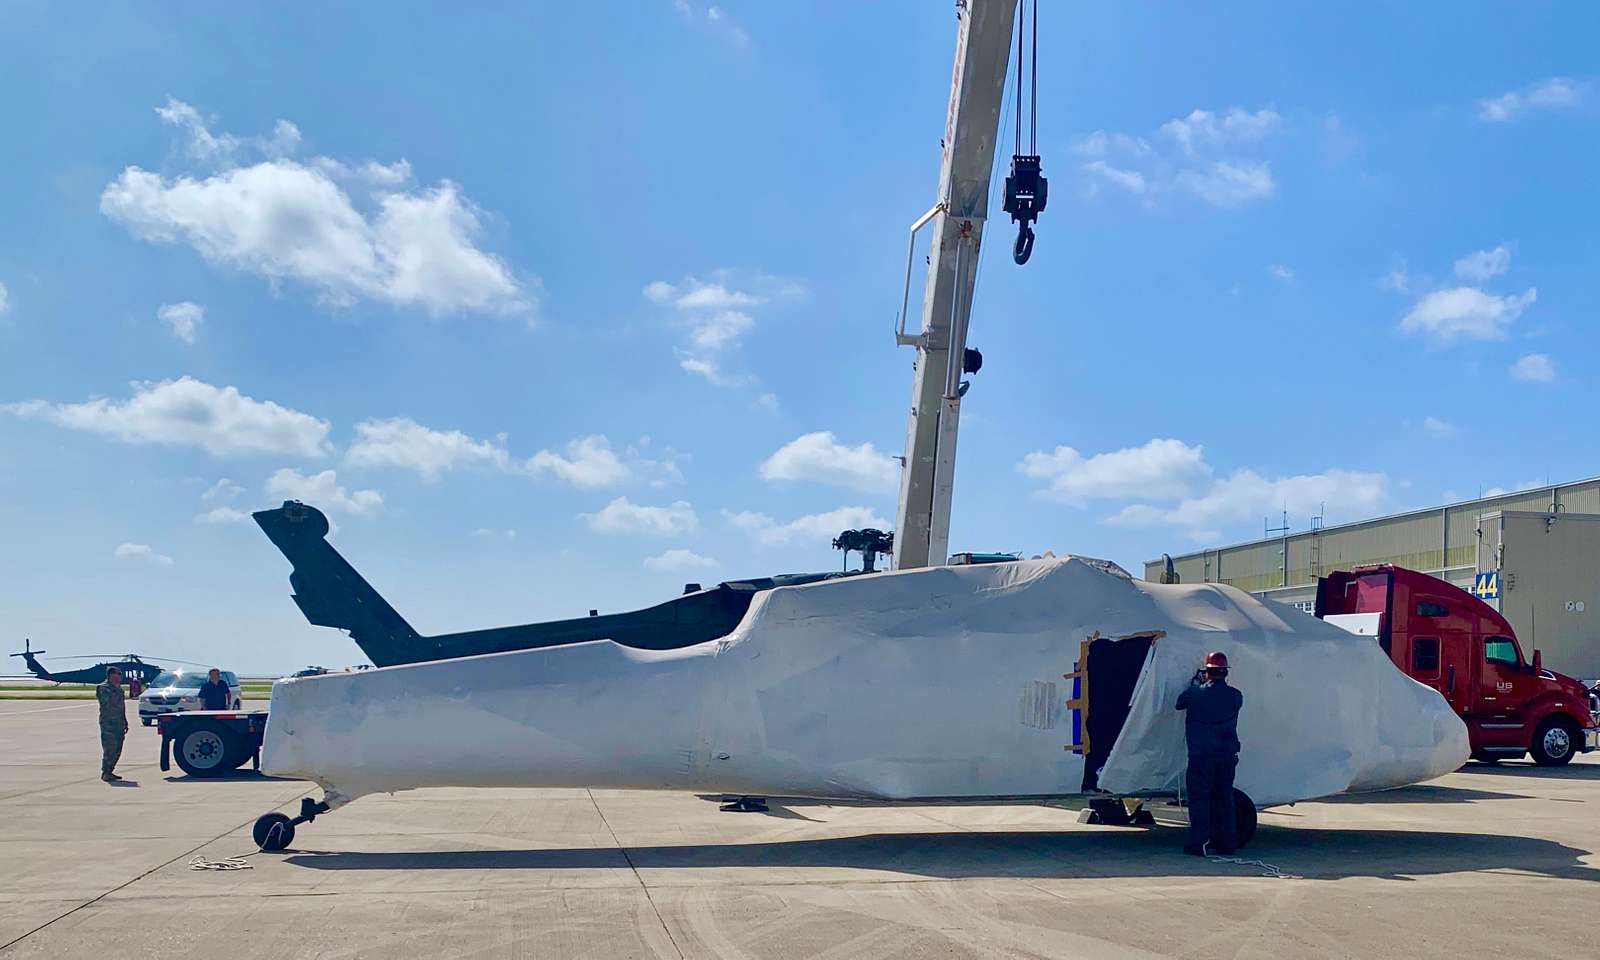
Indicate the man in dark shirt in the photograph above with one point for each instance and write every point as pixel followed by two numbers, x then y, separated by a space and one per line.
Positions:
pixel 1211 727
pixel 214 693
pixel 113 723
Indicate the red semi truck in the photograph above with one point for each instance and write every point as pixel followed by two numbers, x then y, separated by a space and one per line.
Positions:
pixel 1450 640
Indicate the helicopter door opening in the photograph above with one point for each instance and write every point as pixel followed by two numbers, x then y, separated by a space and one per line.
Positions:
pixel 1108 669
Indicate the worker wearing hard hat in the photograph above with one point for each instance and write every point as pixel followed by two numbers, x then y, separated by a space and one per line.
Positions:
pixel 1211 727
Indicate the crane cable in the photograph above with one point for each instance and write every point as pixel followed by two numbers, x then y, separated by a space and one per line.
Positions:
pixel 1026 187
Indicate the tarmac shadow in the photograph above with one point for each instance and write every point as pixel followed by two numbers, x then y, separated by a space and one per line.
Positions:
pixel 242 775
pixel 1527 768
pixel 124 783
pixel 1421 793
pixel 1311 853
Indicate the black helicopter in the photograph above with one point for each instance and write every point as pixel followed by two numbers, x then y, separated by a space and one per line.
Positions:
pixel 131 665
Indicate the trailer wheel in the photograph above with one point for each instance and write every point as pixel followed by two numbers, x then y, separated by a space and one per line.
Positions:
pixel 1554 743
pixel 208 749
pixel 1244 818
pixel 273 831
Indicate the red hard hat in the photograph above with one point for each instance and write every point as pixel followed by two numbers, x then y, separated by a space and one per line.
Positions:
pixel 1216 660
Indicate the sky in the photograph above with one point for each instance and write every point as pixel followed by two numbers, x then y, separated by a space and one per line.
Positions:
pixel 555 307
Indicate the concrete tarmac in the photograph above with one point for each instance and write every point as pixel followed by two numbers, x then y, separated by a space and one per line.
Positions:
pixel 1487 861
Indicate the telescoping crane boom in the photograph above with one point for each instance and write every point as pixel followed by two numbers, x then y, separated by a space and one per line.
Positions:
pixel 977 87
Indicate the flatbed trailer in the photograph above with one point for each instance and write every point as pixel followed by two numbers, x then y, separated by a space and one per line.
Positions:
pixel 212 743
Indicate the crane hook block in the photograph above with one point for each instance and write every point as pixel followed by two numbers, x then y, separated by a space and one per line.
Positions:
pixel 1027 190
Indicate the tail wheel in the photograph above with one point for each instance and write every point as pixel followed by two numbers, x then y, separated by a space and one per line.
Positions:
pixel 1244 817
pixel 1554 743
pixel 273 831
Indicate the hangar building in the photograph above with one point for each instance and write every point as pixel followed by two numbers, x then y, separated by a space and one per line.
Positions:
pixel 1533 554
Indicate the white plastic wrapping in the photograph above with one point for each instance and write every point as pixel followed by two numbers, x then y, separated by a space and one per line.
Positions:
pixel 946 682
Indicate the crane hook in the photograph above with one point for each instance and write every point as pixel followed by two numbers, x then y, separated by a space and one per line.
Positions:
pixel 1023 248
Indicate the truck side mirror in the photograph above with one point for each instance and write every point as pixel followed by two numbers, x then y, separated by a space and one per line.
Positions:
pixel 1538 662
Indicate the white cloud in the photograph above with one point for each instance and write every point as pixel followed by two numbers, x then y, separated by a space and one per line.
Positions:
pixel 1466 313
pixel 1397 279
pixel 1534 368
pixel 1129 180
pixel 816 527
pixel 1197 502
pixel 404 443
pixel 288 220
pixel 1437 427
pixel 1484 265
pixel 203 145
pixel 768 402
pixel 188 412
pixel 143 552
pixel 679 560
pixel 1225 184
pixel 1202 129
pixel 1247 496
pixel 219 515
pixel 719 329
pixel 1281 272
pixel 322 490
pixel 1209 155
pixel 712 371
pixel 1552 94
pixel 5 298
pixel 1159 469
pixel 714 19
pixel 183 318
pixel 589 463
pixel 717 313
pixel 693 294
pixel 495 534
pixel 223 489
pixel 820 458
pixel 624 516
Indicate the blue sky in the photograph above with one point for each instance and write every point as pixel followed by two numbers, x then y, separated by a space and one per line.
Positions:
pixel 558 306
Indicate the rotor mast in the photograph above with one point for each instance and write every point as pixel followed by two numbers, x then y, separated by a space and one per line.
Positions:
pixel 983 39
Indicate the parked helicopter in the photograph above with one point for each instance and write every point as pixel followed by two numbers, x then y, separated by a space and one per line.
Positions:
pixel 132 666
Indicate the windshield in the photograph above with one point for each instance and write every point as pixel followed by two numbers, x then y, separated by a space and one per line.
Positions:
pixel 182 678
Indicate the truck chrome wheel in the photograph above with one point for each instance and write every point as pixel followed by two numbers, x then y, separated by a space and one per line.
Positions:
pixel 1553 743
pixel 1557 741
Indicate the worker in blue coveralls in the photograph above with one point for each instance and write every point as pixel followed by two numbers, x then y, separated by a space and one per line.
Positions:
pixel 1211 728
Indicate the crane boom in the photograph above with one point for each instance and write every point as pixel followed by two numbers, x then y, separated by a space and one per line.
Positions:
pixel 983 39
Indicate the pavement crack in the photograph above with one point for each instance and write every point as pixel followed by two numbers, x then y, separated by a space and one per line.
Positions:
pixel 642 886
pixel 129 883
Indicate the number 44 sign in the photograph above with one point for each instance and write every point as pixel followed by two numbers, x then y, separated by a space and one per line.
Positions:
pixel 1486 586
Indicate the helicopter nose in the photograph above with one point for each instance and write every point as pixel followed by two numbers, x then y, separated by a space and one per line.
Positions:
pixel 1418 736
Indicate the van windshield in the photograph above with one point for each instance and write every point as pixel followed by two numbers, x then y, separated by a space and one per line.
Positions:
pixel 181 678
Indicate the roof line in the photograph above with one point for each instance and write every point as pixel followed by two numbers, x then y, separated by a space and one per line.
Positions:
pixel 1552 487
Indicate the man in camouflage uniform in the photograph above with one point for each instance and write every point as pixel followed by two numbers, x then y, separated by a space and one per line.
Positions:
pixel 113 723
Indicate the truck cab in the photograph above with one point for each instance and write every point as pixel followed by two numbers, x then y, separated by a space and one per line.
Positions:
pixel 1444 637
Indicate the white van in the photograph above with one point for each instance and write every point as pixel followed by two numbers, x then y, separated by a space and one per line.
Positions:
pixel 176 691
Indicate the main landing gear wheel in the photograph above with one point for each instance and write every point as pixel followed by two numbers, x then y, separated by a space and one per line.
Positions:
pixel 744 805
pixel 273 832
pixel 1553 743
pixel 1244 818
